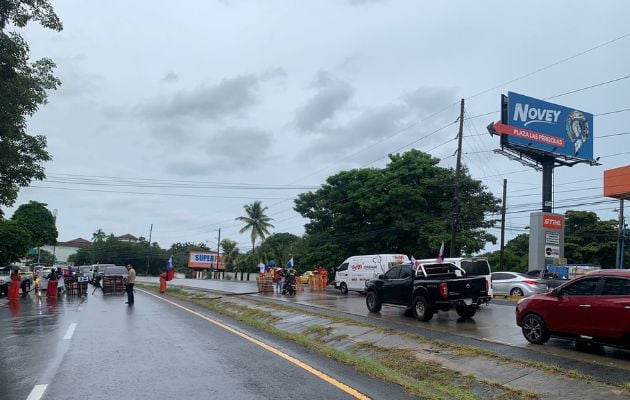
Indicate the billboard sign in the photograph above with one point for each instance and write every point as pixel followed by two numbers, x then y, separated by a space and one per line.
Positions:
pixel 548 127
pixel 204 259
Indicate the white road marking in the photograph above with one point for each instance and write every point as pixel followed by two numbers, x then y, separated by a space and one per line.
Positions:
pixel 70 330
pixel 37 392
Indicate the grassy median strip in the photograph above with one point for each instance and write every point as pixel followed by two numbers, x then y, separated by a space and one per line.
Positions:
pixel 455 349
pixel 425 378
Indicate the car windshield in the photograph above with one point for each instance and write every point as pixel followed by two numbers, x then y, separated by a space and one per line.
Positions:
pixel 476 268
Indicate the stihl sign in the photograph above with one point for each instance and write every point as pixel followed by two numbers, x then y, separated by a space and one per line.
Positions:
pixel 552 221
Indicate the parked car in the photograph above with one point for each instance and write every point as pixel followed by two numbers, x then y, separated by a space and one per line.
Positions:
pixel 5 278
pixel 517 284
pixel 427 289
pixel 592 308
pixel 305 277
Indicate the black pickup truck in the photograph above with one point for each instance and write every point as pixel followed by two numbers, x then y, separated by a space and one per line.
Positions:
pixel 426 289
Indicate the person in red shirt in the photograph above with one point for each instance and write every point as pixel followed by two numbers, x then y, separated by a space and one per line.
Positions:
pixel 14 288
pixel 51 290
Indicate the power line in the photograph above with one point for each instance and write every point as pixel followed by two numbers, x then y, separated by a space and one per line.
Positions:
pixel 551 65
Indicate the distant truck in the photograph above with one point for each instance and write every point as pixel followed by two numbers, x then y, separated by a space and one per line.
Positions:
pixel 427 289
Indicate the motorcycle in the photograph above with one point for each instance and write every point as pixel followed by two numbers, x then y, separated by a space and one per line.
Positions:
pixel 289 285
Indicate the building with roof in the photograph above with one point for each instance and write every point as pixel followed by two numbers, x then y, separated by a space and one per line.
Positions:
pixel 63 250
pixel 128 238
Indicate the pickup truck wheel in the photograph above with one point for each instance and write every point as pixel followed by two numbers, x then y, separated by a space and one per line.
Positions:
pixel 421 309
pixel 534 329
pixel 373 303
pixel 466 312
pixel 344 288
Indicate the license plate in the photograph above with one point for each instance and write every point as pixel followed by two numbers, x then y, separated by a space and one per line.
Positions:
pixel 468 301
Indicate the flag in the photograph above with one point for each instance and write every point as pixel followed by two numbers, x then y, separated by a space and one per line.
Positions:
pixel 170 271
pixel 290 263
pixel 440 256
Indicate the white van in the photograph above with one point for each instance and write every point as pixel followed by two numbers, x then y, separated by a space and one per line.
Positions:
pixel 353 273
pixel 473 266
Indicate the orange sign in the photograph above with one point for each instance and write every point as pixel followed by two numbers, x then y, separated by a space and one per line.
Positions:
pixel 617 182
pixel 552 221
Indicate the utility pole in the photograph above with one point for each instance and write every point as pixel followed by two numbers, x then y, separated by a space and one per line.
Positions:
pixel 149 248
pixel 502 252
pixel 458 171
pixel 620 240
pixel 55 245
pixel 218 252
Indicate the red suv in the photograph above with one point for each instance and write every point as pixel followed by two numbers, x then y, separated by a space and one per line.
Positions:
pixel 593 308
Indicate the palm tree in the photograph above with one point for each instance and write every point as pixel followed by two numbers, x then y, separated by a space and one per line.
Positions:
pixel 230 254
pixel 256 221
pixel 98 236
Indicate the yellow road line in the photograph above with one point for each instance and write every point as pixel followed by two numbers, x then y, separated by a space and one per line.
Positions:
pixel 339 385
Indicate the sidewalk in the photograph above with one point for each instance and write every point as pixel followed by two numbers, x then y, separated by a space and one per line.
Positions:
pixel 494 375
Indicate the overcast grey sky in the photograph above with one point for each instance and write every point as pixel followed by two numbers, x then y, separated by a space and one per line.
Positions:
pixel 206 93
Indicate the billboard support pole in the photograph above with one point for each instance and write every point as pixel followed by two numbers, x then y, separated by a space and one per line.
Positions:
pixel 547 183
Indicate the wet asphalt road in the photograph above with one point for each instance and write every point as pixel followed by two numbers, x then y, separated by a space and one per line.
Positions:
pixel 99 348
pixel 494 323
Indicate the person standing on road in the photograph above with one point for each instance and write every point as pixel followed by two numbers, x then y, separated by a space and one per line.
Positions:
pixel 163 277
pixel 131 278
pixel 51 289
pixel 14 288
pixel 277 280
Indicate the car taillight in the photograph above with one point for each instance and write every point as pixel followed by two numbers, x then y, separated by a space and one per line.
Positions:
pixel 530 282
pixel 443 288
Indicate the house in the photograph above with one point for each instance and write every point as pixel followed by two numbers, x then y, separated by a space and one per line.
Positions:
pixel 128 238
pixel 63 250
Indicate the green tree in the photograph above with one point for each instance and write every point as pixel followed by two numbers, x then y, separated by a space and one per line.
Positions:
pixel 255 221
pixel 248 262
pixel 589 240
pixel 405 208
pixel 230 254
pixel 23 86
pixel 112 250
pixel 181 254
pixel 39 221
pixel 14 241
pixel 99 235
pixel 281 247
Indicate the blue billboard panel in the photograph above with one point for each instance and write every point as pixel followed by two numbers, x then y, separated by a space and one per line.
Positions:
pixel 549 127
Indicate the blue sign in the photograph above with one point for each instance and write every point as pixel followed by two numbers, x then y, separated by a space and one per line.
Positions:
pixel 204 258
pixel 549 127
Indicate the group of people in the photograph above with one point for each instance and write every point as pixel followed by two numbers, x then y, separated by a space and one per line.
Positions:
pixel 282 278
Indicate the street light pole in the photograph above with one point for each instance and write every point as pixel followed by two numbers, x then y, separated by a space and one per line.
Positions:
pixel 149 249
